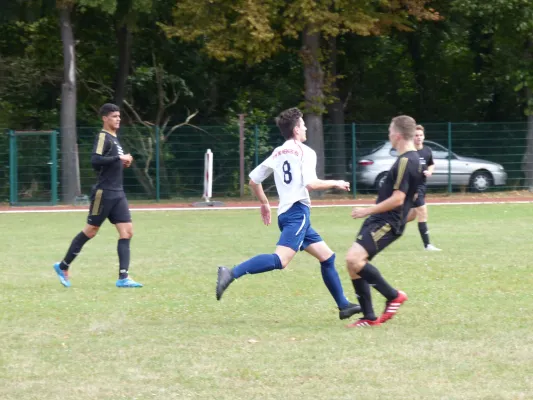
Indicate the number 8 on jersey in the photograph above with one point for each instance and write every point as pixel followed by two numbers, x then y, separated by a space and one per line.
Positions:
pixel 287 176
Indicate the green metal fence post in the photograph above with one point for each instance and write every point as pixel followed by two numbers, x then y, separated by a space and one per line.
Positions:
pixel 157 186
pixel 256 131
pixel 354 181
pixel 13 190
pixel 449 157
pixel 53 171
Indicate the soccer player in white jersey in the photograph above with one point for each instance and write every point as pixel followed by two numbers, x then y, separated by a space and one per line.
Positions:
pixel 294 168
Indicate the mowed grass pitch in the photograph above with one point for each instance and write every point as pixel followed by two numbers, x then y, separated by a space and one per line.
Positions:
pixel 465 333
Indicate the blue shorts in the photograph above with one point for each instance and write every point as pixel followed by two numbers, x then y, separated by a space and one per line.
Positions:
pixel 295 227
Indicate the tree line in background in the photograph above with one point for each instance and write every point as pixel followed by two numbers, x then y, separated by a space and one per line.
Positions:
pixel 170 63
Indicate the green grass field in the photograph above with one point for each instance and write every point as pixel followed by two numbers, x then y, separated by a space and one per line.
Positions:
pixel 465 333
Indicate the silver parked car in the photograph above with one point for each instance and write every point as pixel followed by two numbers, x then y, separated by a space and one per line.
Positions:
pixel 479 175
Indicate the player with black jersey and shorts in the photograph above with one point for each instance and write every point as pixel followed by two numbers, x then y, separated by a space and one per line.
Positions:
pixel 385 224
pixel 108 200
pixel 420 209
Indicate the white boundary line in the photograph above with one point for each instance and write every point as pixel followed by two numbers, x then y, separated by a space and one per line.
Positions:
pixel 463 203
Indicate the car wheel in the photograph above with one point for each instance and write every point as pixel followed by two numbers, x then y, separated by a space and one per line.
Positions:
pixel 380 180
pixel 480 181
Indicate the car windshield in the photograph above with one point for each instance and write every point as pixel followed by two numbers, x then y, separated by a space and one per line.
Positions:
pixel 365 151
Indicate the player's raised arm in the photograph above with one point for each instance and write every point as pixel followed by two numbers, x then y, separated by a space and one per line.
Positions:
pixel 320 184
pixel 393 202
pixel 402 178
pixel 310 179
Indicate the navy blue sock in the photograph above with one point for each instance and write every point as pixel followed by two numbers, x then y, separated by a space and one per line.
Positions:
pixel 364 295
pixel 333 282
pixel 257 265
pixel 372 275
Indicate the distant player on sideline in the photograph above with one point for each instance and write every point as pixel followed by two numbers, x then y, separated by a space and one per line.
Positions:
pixel 420 209
pixel 294 168
pixel 108 200
pixel 385 223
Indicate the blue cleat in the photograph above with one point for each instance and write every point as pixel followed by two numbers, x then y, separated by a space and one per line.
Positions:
pixel 128 283
pixel 63 275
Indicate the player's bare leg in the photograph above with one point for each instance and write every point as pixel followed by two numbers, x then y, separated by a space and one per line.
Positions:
pixel 412 215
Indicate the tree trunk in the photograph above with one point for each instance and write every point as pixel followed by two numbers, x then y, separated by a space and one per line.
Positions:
pixel 70 179
pixel 143 180
pixel 336 113
pixel 164 183
pixel 124 39
pixel 314 95
pixel 415 50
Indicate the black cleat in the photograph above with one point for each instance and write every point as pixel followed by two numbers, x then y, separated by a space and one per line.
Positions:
pixel 349 310
pixel 224 279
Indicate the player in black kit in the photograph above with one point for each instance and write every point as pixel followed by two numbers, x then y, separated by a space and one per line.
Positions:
pixel 420 209
pixel 385 223
pixel 108 200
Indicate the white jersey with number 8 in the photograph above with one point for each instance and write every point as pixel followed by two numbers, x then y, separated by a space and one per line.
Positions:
pixel 294 167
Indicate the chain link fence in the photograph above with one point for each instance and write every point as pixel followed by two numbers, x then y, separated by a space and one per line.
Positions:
pixel 169 165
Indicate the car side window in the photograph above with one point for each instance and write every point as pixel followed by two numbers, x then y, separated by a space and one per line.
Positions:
pixel 439 152
pixel 440 155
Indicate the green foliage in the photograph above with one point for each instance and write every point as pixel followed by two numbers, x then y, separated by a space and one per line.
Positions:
pixel 107 6
pixel 376 75
pixel 460 61
pixel 239 30
pixel 32 72
pixel 508 27
pixel 383 62
pixel 253 31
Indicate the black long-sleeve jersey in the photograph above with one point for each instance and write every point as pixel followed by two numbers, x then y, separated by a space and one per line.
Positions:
pixel 405 175
pixel 106 161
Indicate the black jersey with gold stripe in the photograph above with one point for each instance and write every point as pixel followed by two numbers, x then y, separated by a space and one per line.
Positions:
pixel 405 175
pixel 426 160
pixel 106 161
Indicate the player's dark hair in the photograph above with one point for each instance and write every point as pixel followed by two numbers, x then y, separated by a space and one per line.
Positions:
pixel 287 120
pixel 405 125
pixel 107 109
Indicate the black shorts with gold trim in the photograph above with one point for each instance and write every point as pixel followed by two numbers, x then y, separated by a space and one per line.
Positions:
pixel 108 204
pixel 375 235
pixel 420 199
